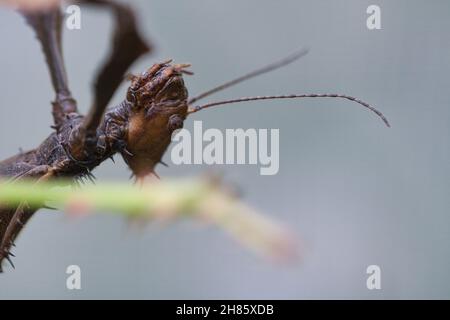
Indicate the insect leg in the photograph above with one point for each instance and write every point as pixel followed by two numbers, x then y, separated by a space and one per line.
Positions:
pixel 127 46
pixel 12 220
pixel 47 25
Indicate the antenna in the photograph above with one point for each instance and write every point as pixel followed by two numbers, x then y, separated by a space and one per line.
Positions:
pixel 292 96
pixel 270 67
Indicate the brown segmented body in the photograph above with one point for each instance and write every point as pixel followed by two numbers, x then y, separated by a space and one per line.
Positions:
pixel 79 143
pixel 140 130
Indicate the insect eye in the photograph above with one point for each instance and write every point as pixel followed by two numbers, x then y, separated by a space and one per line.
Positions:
pixel 174 90
pixel 175 122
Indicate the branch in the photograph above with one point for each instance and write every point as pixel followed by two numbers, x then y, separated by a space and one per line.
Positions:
pixel 177 198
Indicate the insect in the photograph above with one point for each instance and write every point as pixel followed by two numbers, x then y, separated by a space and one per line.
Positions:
pixel 139 128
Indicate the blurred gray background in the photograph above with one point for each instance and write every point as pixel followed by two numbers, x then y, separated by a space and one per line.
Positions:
pixel 355 192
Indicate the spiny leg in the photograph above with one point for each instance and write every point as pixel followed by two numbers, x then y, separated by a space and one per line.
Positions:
pixel 12 220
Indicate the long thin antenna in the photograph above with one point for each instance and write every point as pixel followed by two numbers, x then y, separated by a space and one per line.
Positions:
pixel 275 65
pixel 292 96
